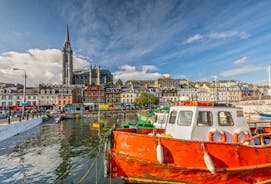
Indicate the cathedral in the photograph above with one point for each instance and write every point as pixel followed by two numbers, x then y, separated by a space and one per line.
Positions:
pixel 93 75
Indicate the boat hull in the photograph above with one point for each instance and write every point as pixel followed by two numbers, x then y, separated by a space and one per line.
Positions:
pixel 133 155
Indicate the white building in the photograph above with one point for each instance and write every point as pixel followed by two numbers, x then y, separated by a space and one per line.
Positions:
pixel 13 97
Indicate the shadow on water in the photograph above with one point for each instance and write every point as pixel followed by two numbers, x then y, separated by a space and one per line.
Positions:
pixel 55 153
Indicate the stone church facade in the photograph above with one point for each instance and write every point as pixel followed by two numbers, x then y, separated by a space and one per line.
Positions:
pixel 93 75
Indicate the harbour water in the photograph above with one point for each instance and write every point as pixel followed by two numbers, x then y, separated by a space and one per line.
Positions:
pixel 68 152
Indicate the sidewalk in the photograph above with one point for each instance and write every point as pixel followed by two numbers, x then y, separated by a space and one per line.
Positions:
pixel 5 121
pixel 14 120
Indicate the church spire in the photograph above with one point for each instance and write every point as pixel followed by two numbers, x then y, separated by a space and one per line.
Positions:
pixel 67 61
pixel 67 38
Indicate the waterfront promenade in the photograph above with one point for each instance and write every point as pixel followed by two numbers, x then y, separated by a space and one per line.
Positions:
pixel 5 121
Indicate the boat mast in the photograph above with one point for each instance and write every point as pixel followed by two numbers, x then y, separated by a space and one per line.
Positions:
pixel 216 92
pixel 99 104
pixel 269 78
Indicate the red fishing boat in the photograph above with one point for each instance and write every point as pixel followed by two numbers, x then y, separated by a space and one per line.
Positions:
pixel 202 143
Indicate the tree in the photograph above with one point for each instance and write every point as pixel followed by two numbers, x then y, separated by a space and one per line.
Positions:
pixel 119 82
pixel 146 99
pixel 110 83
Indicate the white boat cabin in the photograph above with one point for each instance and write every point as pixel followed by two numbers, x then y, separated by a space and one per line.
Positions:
pixel 207 122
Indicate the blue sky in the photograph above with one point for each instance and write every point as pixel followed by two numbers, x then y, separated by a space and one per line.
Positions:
pixel 138 39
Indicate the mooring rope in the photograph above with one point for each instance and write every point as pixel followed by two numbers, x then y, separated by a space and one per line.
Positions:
pixel 101 142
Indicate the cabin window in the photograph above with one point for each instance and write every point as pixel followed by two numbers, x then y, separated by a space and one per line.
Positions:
pixel 205 118
pixel 160 119
pixel 225 118
pixel 173 115
pixel 185 118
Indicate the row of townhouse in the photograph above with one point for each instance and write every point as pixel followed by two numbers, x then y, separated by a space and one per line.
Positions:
pixel 61 96
pixel 166 89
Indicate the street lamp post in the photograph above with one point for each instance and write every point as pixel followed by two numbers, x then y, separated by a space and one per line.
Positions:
pixel 23 104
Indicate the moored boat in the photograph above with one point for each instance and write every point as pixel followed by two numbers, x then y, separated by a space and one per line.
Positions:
pixel 202 143
pixel 160 117
pixel 265 115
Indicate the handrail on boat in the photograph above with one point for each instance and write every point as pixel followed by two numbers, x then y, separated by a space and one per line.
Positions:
pixel 261 136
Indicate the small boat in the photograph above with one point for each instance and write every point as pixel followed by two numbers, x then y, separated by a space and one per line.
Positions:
pixel 97 125
pixel 148 119
pixel 138 125
pixel 144 120
pixel 57 119
pixel 160 117
pixel 145 117
pixel 202 143
pixel 264 115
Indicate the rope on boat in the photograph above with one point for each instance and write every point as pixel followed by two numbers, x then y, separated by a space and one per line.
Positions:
pixel 64 174
pixel 101 142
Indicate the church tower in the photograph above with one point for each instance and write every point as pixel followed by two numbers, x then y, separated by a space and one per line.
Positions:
pixel 67 63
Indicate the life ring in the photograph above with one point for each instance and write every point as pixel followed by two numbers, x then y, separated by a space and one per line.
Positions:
pixel 222 135
pixel 236 136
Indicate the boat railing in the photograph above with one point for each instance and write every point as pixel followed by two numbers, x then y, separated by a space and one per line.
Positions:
pixel 263 138
pixel 142 130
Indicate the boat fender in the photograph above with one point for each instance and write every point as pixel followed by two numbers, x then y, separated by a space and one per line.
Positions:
pixel 159 153
pixel 209 162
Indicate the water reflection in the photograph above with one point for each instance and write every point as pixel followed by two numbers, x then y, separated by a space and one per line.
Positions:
pixel 55 153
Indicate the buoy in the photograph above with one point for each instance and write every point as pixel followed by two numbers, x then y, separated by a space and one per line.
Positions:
pixel 209 162
pixel 159 153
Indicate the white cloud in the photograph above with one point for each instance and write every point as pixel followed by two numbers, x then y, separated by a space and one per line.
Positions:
pixel 127 68
pixel 228 34
pixel 217 36
pixel 194 38
pixel 149 68
pixel 242 60
pixel 241 70
pixel 128 72
pixel 41 66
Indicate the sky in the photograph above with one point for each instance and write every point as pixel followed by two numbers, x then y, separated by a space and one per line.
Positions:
pixel 198 40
